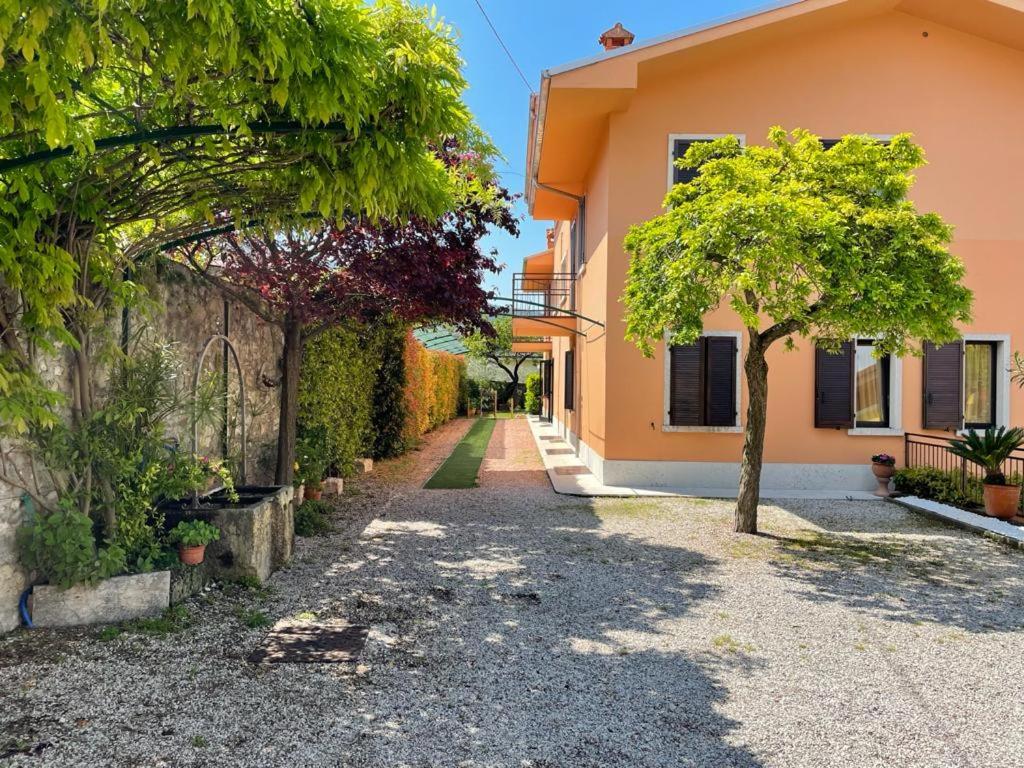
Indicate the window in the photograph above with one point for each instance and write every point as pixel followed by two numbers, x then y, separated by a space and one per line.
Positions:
pixel 678 143
pixel 871 395
pixel 852 387
pixel 966 383
pixel 570 384
pixel 979 384
pixel 683 175
pixel 702 383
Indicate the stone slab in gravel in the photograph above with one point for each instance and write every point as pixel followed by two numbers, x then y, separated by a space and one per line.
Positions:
pixel 516 627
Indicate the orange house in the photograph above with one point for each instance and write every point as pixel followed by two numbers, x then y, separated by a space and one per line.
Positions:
pixel 602 138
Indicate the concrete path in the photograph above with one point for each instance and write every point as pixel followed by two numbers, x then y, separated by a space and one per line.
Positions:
pixel 572 477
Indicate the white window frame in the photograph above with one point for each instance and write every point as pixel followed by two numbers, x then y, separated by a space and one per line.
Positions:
pixel 1002 342
pixel 895 428
pixel 667 394
pixel 674 137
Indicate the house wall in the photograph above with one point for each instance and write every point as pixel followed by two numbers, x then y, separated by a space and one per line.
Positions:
pixel 187 313
pixel 963 99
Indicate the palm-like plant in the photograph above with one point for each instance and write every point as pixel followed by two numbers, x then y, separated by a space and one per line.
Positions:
pixel 989 449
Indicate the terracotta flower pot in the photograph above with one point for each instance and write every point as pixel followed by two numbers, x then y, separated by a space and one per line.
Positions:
pixel 313 494
pixel 883 473
pixel 192 555
pixel 1001 501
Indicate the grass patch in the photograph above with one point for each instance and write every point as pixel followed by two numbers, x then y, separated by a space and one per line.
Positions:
pixel 253 618
pixel 461 468
pixel 730 644
pixel 174 619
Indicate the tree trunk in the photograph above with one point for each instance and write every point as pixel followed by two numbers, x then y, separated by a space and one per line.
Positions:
pixel 755 368
pixel 289 408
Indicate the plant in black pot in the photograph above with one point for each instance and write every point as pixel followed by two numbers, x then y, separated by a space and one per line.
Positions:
pixel 990 450
pixel 192 536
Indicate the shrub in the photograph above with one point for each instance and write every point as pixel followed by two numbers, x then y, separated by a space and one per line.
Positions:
pixel 938 485
pixel 533 394
pixel 336 392
pixel 61 547
pixel 389 403
pixel 312 518
pixel 989 450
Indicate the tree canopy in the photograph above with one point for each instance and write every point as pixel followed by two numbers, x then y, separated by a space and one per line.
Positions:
pixel 128 123
pixel 306 280
pixel 799 240
pixel 494 345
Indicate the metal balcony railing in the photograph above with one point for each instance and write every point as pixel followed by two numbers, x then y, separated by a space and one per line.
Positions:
pixel 543 294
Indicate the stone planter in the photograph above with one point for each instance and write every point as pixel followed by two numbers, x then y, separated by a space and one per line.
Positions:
pixel 883 474
pixel 364 466
pixel 121 598
pixel 257 533
pixel 255 539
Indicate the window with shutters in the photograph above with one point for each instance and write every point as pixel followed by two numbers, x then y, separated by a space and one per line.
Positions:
pixel 966 383
pixel 678 143
pixel 570 380
pixel 702 384
pixel 853 388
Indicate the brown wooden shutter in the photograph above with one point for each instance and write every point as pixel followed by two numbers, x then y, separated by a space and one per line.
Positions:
pixel 548 373
pixel 719 381
pixel 686 385
pixel 943 394
pixel 570 383
pixel 833 387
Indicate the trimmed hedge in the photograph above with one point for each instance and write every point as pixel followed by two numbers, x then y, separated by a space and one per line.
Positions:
pixel 433 389
pixel 374 391
pixel 336 405
pixel 938 485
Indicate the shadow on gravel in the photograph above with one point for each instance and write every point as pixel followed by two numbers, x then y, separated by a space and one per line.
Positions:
pixel 537 641
pixel 902 567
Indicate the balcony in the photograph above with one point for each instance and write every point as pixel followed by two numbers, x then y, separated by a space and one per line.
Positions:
pixel 542 304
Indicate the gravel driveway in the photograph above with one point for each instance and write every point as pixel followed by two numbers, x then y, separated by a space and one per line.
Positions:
pixel 514 627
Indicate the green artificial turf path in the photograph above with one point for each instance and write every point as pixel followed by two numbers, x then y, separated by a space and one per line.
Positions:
pixel 460 469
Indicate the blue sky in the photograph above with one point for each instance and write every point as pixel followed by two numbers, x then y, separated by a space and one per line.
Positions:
pixel 543 34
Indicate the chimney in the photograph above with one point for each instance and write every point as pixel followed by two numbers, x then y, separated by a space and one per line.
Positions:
pixel 550 233
pixel 616 37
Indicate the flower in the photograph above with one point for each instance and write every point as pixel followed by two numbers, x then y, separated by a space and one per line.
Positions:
pixel 885 459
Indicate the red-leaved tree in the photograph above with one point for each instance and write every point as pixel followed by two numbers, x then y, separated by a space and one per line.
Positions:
pixel 306 280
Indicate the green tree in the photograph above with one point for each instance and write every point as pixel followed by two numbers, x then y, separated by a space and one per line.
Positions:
pixel 496 348
pixel 798 240
pixel 125 124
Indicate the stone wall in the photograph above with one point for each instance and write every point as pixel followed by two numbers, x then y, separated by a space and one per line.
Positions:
pixel 187 313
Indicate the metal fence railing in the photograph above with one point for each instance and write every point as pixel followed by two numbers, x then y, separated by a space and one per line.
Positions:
pixel 542 294
pixel 931 451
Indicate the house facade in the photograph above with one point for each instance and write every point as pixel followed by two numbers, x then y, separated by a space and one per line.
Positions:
pixel 603 135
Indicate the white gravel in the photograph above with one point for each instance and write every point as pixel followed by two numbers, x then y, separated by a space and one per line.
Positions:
pixel 520 628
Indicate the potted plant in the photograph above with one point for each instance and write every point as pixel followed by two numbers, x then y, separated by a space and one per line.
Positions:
pixel 312 466
pixel 192 536
pixel 989 450
pixel 883 465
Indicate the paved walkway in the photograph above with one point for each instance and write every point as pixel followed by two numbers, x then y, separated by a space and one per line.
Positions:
pixel 513 627
pixel 572 477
